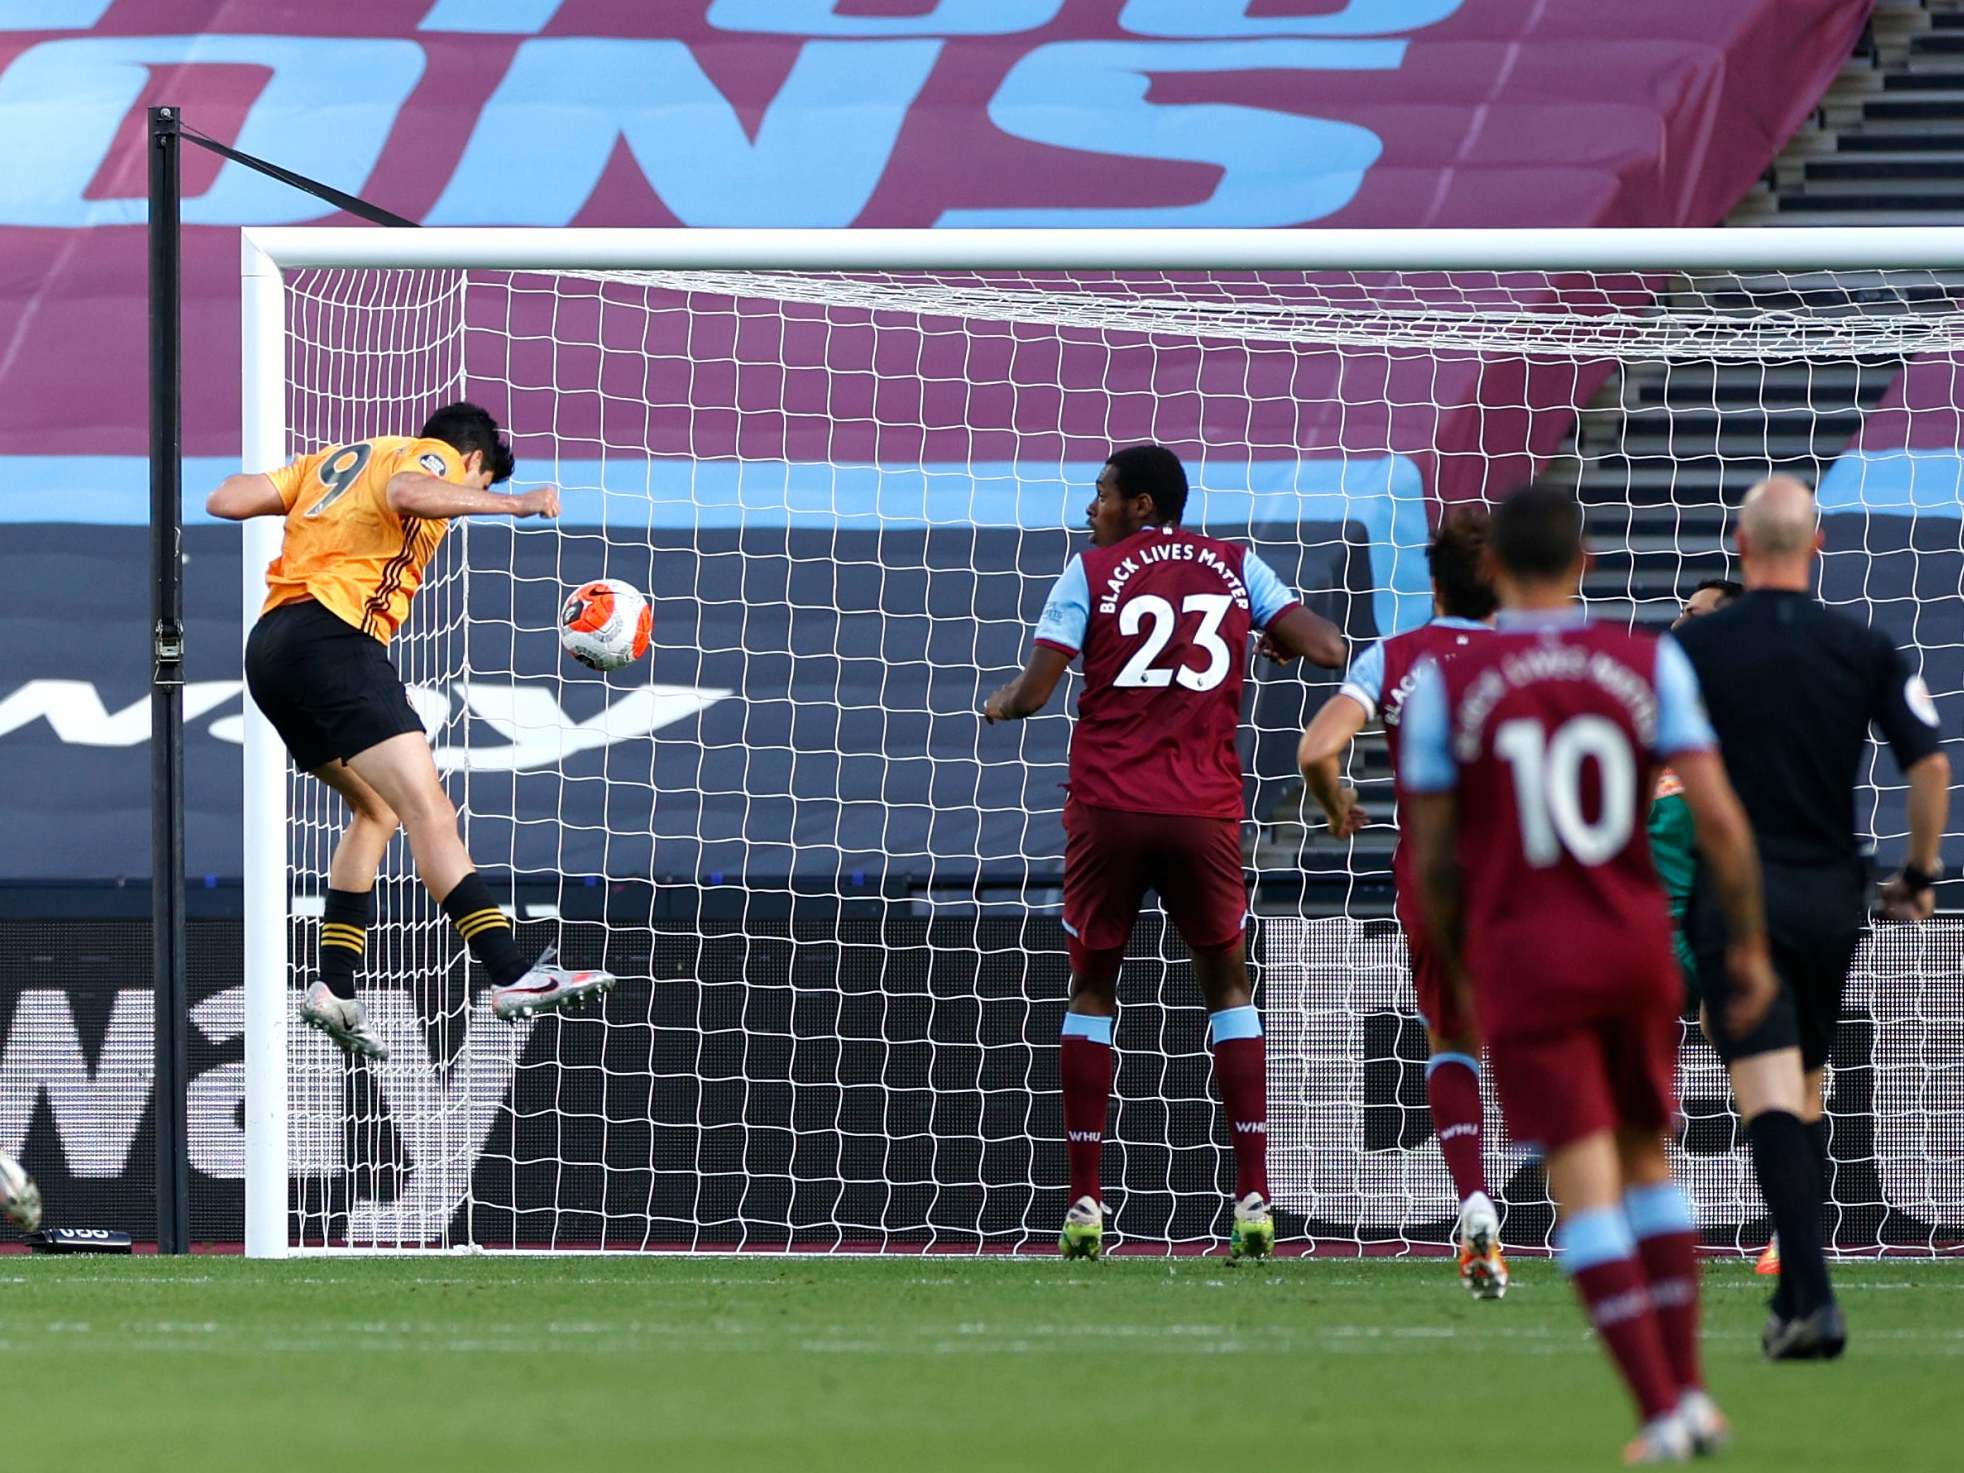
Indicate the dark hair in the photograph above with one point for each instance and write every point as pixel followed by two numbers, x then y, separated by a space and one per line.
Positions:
pixel 464 427
pixel 1537 532
pixel 1154 471
pixel 1454 558
pixel 1727 589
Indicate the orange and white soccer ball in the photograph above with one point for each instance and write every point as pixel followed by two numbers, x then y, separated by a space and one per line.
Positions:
pixel 606 624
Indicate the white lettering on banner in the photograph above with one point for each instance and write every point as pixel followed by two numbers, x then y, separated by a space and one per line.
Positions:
pixel 821 18
pixel 542 734
pixel 1230 18
pixel 1326 981
pixel 537 729
pixel 75 711
pixel 490 17
pixel 325 111
pixel 96 1111
pixel 442 1116
pixel 1906 980
pixel 1092 96
pixel 51 15
pixel 820 149
pixel 215 1099
pixel 1325 978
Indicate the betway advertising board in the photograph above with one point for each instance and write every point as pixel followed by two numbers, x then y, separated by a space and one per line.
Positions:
pixel 865 1084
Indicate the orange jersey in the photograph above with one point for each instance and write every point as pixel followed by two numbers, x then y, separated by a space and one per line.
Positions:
pixel 345 546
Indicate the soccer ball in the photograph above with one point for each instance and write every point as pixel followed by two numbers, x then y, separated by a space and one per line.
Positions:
pixel 605 624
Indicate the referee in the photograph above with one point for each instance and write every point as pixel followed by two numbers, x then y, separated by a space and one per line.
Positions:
pixel 1792 689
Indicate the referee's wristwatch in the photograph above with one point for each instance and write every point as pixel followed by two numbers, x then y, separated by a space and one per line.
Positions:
pixel 1916 881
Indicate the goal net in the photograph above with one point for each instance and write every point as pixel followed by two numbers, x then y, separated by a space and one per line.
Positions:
pixel 832 893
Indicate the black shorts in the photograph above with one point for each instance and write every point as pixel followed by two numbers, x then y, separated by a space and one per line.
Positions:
pixel 1815 915
pixel 328 689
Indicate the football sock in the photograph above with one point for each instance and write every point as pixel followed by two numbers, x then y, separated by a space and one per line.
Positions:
pixel 344 937
pixel 1241 1067
pixel 1790 1181
pixel 1817 1137
pixel 1452 1089
pixel 1599 1255
pixel 485 929
pixel 1667 1246
pixel 1086 1066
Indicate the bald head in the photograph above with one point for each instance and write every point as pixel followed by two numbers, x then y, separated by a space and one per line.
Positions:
pixel 1779 533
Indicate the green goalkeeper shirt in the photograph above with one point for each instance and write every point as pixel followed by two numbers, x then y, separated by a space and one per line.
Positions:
pixel 1674 851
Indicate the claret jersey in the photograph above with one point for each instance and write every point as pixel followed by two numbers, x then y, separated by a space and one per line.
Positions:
pixel 1381 678
pixel 1162 621
pixel 1547 733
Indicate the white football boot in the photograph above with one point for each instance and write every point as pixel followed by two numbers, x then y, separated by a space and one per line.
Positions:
pixel 1709 1430
pixel 342 1019
pixel 547 988
pixel 1481 1268
pixel 1664 1439
pixel 20 1199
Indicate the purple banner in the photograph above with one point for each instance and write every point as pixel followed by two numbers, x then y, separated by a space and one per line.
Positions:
pixel 1907 459
pixel 1147 113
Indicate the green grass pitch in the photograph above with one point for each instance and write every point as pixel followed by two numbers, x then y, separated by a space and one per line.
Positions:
pixel 590 1363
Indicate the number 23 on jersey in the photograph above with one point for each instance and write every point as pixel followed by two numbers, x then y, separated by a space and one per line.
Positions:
pixel 1153 617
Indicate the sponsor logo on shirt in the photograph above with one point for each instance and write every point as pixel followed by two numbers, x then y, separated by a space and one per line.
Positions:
pixel 430 461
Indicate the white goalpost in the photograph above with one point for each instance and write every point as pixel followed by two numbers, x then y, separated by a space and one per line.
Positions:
pixel 846 467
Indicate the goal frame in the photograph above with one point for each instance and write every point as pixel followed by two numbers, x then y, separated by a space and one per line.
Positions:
pixel 267 254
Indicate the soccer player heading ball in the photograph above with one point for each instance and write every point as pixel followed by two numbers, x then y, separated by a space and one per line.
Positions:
pixel 1527 760
pixel 1162 617
pixel 362 523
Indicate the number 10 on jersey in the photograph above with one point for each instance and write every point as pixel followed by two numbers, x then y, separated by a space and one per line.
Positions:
pixel 1547 773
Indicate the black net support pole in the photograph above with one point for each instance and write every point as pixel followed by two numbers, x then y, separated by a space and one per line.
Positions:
pixel 167 896
pixel 165 136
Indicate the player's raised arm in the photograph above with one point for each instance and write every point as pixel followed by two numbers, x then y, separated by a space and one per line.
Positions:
pixel 443 482
pixel 1288 629
pixel 419 494
pixel 1725 838
pixel 241 497
pixel 1059 636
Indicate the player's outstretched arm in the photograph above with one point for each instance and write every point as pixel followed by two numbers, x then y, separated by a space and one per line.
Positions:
pixel 1329 732
pixel 1030 691
pixel 1297 631
pixel 1725 844
pixel 417 494
pixel 242 497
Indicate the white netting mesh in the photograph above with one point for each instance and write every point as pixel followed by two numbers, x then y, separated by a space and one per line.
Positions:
pixel 831 892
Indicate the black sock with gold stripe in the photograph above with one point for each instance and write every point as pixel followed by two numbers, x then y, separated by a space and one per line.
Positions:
pixel 485 929
pixel 344 937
